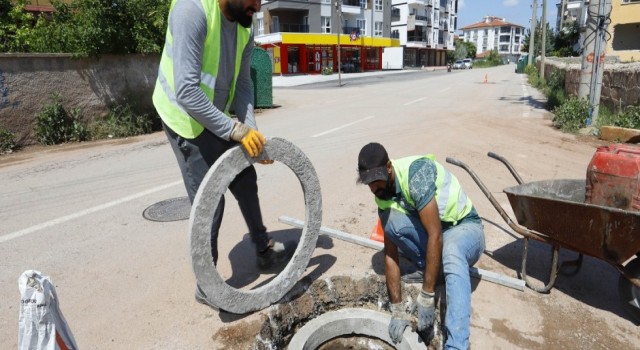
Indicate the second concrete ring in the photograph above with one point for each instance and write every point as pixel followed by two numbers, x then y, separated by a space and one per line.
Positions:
pixel 214 185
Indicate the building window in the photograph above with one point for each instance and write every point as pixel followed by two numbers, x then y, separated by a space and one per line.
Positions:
pixel 395 34
pixel 378 5
pixel 260 26
pixel 362 24
pixel 378 29
pixel 363 4
pixel 326 24
pixel 629 1
pixel 326 1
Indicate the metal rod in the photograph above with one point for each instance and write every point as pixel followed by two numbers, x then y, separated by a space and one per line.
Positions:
pixel 365 242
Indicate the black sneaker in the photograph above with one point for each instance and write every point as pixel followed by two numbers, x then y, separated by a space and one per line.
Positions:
pixel 277 253
pixel 416 276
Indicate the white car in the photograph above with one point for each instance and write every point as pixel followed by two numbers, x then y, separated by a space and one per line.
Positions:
pixel 468 63
pixel 459 65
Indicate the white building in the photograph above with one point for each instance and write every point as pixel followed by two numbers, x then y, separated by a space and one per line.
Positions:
pixel 495 33
pixel 425 29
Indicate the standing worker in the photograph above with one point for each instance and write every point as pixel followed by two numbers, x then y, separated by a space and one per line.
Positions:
pixel 204 72
pixel 426 217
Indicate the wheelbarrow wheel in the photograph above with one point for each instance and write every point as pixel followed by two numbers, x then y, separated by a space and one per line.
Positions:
pixel 629 293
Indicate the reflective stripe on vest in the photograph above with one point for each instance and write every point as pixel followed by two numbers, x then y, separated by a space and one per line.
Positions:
pixel 164 98
pixel 453 203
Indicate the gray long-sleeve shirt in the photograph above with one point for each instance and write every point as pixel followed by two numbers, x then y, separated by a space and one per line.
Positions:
pixel 188 26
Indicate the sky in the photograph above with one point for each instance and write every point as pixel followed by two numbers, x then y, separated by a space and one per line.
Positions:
pixel 513 11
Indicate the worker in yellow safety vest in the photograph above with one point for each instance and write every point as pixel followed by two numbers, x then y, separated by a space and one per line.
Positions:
pixel 428 219
pixel 204 73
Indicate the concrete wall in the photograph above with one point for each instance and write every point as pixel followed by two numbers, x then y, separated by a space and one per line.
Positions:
pixel 28 81
pixel 620 81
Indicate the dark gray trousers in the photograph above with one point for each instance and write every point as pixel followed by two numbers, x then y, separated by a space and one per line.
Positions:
pixel 195 157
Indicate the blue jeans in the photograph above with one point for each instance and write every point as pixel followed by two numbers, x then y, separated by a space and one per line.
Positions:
pixel 462 246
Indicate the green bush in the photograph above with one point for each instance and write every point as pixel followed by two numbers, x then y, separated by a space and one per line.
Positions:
pixel 555 98
pixel 629 117
pixel 123 121
pixel 7 141
pixel 54 125
pixel 572 115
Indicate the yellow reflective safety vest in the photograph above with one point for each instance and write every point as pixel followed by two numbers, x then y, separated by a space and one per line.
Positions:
pixel 453 203
pixel 164 98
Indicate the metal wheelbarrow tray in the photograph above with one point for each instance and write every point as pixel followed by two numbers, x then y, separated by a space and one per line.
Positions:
pixel 554 212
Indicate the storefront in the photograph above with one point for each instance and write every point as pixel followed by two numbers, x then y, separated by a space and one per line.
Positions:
pixel 314 53
pixel 420 57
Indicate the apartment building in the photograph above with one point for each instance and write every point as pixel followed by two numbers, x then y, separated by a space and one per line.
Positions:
pixel 302 36
pixel 625 30
pixel 425 29
pixel 494 33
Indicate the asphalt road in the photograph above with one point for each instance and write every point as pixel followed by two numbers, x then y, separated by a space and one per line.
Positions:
pixel 74 212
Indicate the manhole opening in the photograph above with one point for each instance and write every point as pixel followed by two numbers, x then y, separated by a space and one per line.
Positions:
pixel 309 300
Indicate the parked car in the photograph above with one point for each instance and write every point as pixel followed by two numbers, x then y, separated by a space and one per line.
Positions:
pixel 459 65
pixel 468 63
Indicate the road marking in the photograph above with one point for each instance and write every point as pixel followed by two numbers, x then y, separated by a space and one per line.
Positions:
pixel 342 127
pixel 81 213
pixel 525 95
pixel 414 101
pixel 447 89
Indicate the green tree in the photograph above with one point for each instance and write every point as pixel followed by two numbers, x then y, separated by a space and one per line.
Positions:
pixel 471 49
pixel 15 26
pixel 549 46
pixel 566 40
pixel 86 27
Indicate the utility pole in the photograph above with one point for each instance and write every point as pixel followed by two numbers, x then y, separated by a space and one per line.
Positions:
pixel 544 38
pixel 532 35
pixel 593 56
pixel 562 7
pixel 339 16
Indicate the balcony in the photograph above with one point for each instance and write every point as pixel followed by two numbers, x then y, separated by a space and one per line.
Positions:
pixel 351 30
pixel 395 14
pixel 425 19
pixel 353 6
pixel 290 28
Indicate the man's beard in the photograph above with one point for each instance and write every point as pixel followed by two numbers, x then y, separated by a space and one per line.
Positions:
pixel 240 14
pixel 388 192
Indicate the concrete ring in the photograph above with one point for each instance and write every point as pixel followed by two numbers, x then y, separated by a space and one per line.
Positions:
pixel 214 185
pixel 351 321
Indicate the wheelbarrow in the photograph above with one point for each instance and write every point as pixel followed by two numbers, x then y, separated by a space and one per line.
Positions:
pixel 554 212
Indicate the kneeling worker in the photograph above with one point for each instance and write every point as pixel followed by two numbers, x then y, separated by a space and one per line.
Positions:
pixel 428 218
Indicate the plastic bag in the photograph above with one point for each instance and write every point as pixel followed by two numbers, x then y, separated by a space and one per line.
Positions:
pixel 41 323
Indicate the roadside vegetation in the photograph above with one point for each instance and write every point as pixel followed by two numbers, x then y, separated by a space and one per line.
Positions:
pixel 572 113
pixel 492 60
pixel 85 28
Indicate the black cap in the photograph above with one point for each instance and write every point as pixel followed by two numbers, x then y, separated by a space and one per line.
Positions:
pixel 372 163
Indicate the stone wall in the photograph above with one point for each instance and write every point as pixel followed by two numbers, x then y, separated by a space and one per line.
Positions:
pixel 620 81
pixel 28 82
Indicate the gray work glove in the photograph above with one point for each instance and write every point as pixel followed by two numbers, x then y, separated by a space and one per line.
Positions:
pixel 400 319
pixel 426 310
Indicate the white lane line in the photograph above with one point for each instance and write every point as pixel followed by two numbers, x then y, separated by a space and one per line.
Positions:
pixel 414 101
pixel 447 89
pixel 81 213
pixel 525 95
pixel 343 126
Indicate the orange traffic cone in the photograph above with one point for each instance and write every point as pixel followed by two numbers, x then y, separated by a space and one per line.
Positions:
pixel 377 234
pixel 485 79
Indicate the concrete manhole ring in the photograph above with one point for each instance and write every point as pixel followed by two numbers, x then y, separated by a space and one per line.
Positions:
pixel 214 185
pixel 350 321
